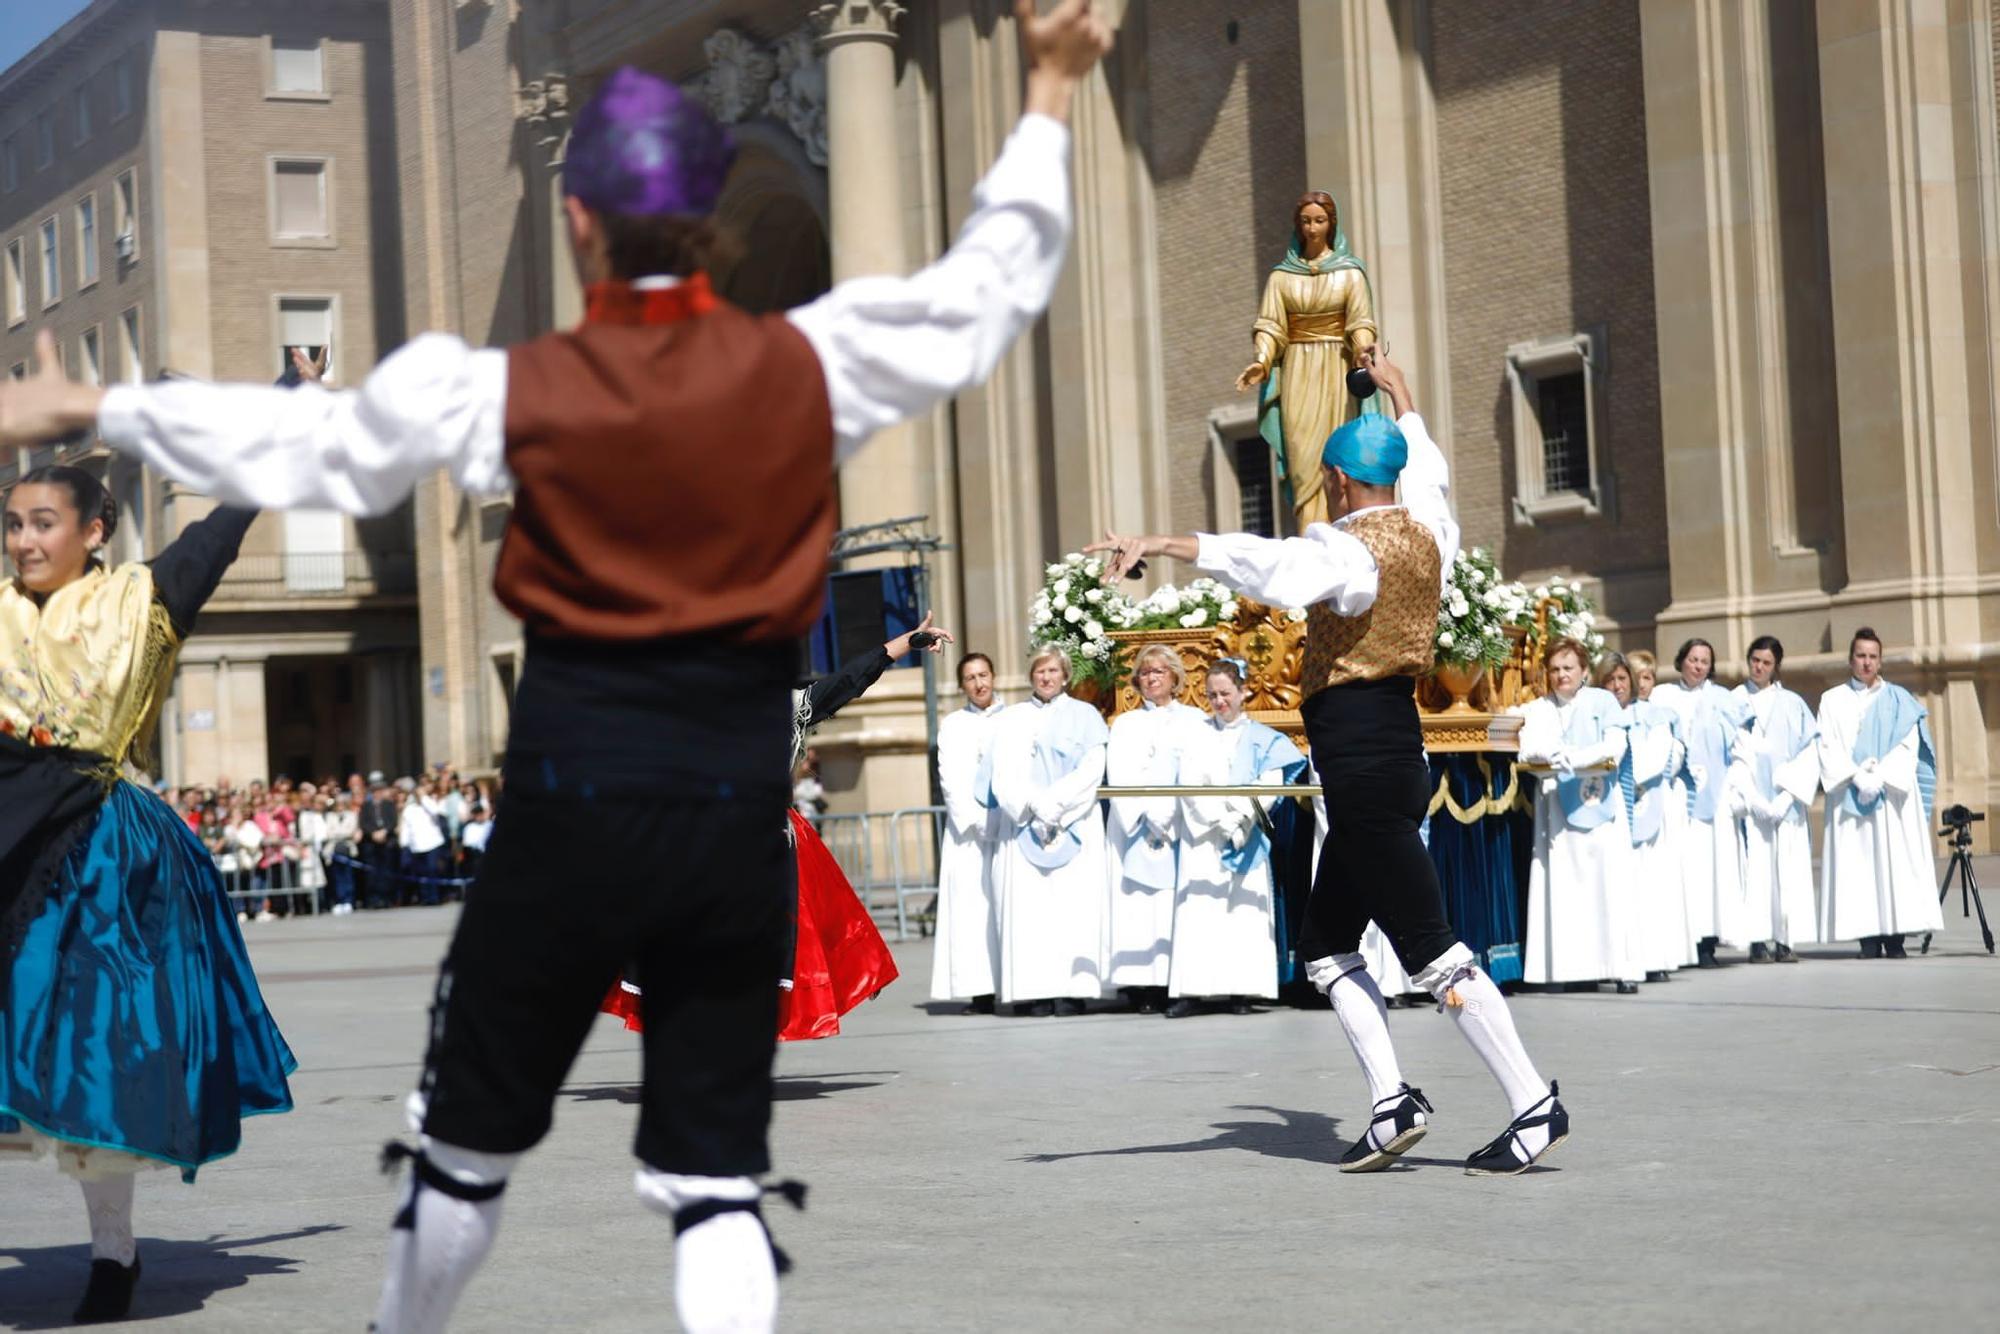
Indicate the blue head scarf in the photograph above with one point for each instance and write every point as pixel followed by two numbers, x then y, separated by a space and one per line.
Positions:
pixel 1370 449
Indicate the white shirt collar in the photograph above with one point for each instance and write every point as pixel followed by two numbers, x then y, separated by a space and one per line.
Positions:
pixel 1854 683
pixel 1341 522
pixel 655 282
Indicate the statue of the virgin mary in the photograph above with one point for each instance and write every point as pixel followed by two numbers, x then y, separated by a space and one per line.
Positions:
pixel 1317 319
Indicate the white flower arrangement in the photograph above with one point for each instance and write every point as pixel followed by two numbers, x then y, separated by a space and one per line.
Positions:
pixel 1075 611
pixel 1472 621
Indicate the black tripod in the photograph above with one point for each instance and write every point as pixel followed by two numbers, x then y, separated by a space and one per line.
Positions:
pixel 1958 828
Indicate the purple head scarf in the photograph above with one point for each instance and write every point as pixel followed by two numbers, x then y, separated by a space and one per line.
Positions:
pixel 643 147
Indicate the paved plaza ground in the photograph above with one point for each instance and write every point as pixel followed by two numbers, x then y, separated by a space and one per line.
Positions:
pixel 1810 1147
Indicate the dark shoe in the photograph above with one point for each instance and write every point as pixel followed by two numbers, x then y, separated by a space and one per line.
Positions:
pixel 1784 954
pixel 1040 1009
pixel 1182 1008
pixel 979 1005
pixel 109 1295
pixel 1504 1157
pixel 1398 1123
pixel 1239 1005
pixel 1394 1003
pixel 1704 954
pixel 1758 954
pixel 1628 988
pixel 1657 975
pixel 1069 1005
pixel 1871 947
pixel 1892 948
pixel 1576 987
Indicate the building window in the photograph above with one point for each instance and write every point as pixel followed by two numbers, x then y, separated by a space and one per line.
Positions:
pixel 45 140
pixel 16 275
pixel 297 66
pixel 298 201
pixel 121 82
pixel 305 322
pixel 10 166
pixel 91 367
pixel 51 263
pixel 1250 496
pixel 83 114
pixel 86 241
pixel 130 346
pixel 1557 390
pixel 126 239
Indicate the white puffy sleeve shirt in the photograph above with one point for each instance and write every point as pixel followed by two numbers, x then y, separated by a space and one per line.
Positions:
pixel 890 349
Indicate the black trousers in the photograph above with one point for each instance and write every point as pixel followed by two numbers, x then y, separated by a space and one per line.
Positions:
pixel 692 894
pixel 1368 747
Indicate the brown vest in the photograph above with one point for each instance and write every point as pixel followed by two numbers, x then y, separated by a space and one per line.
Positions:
pixel 669 479
pixel 1394 637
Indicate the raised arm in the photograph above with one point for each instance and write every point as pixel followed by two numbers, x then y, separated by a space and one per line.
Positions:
pixel 188 569
pixel 893 347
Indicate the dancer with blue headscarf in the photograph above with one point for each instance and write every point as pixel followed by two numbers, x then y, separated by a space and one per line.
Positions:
pixel 1878 877
pixel 1772 778
pixel 1371 582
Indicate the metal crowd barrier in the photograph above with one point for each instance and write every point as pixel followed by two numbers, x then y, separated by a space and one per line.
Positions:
pixel 245 884
pixel 890 858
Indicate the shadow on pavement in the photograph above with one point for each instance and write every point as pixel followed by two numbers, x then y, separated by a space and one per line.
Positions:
pixel 179 1277
pixel 1304 1136
pixel 784 1088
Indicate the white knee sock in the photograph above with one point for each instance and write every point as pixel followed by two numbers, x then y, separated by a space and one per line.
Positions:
pixel 725 1278
pixel 109 1201
pixel 1480 1011
pixel 449 1216
pixel 1363 1017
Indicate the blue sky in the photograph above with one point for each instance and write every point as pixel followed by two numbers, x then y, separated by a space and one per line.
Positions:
pixel 24 23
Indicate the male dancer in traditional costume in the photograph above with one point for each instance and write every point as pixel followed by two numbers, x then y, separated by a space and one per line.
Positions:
pixel 653 721
pixel 1371 582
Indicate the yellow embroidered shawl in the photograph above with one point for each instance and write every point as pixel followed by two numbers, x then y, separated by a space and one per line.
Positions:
pixel 87 668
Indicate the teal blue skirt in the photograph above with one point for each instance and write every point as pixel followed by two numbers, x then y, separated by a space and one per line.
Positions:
pixel 131 1018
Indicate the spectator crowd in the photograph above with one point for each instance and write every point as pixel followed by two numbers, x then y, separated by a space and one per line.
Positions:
pixel 331 846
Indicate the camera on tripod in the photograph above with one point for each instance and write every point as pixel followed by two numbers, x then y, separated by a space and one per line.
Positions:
pixel 1958 822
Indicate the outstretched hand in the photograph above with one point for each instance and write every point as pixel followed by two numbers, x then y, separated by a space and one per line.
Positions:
pixel 934 640
pixel 47 404
pixel 1068 41
pixel 1123 556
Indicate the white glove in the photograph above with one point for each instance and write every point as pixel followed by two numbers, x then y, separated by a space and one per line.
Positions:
pixel 1563 762
pixel 1867 784
pixel 1699 773
pixel 1045 831
pixel 1239 832
pixel 1777 808
pixel 1739 802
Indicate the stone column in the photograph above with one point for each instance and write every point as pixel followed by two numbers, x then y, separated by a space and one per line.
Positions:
pixel 1107 439
pixel 1713 136
pixel 1913 231
pixel 1371 142
pixel 887 479
pixel 177 196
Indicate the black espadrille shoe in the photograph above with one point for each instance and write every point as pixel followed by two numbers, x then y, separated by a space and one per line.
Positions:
pixel 1397 1126
pixel 108 1296
pixel 1508 1155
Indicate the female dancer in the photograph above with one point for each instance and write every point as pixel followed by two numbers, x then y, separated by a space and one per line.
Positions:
pixel 839 958
pixel 132 1029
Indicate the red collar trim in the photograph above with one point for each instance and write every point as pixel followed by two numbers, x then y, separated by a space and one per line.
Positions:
pixel 618 302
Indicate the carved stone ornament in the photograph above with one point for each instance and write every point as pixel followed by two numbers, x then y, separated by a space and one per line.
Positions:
pixel 543 106
pixel 798 94
pixel 785 80
pixel 739 75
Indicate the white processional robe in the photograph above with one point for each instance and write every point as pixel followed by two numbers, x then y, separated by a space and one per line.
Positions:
pixel 1048 760
pixel 1140 842
pixel 1581 890
pixel 1711 858
pixel 1225 928
pixel 1773 775
pixel 965 956
pixel 1661 940
pixel 1878 871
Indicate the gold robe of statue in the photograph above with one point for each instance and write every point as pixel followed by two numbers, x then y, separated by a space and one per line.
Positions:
pixel 1309 333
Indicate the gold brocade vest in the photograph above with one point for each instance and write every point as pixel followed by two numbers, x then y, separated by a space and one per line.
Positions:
pixel 88 667
pixel 1394 637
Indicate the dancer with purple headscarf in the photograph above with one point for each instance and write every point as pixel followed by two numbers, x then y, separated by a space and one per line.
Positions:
pixel 671 462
